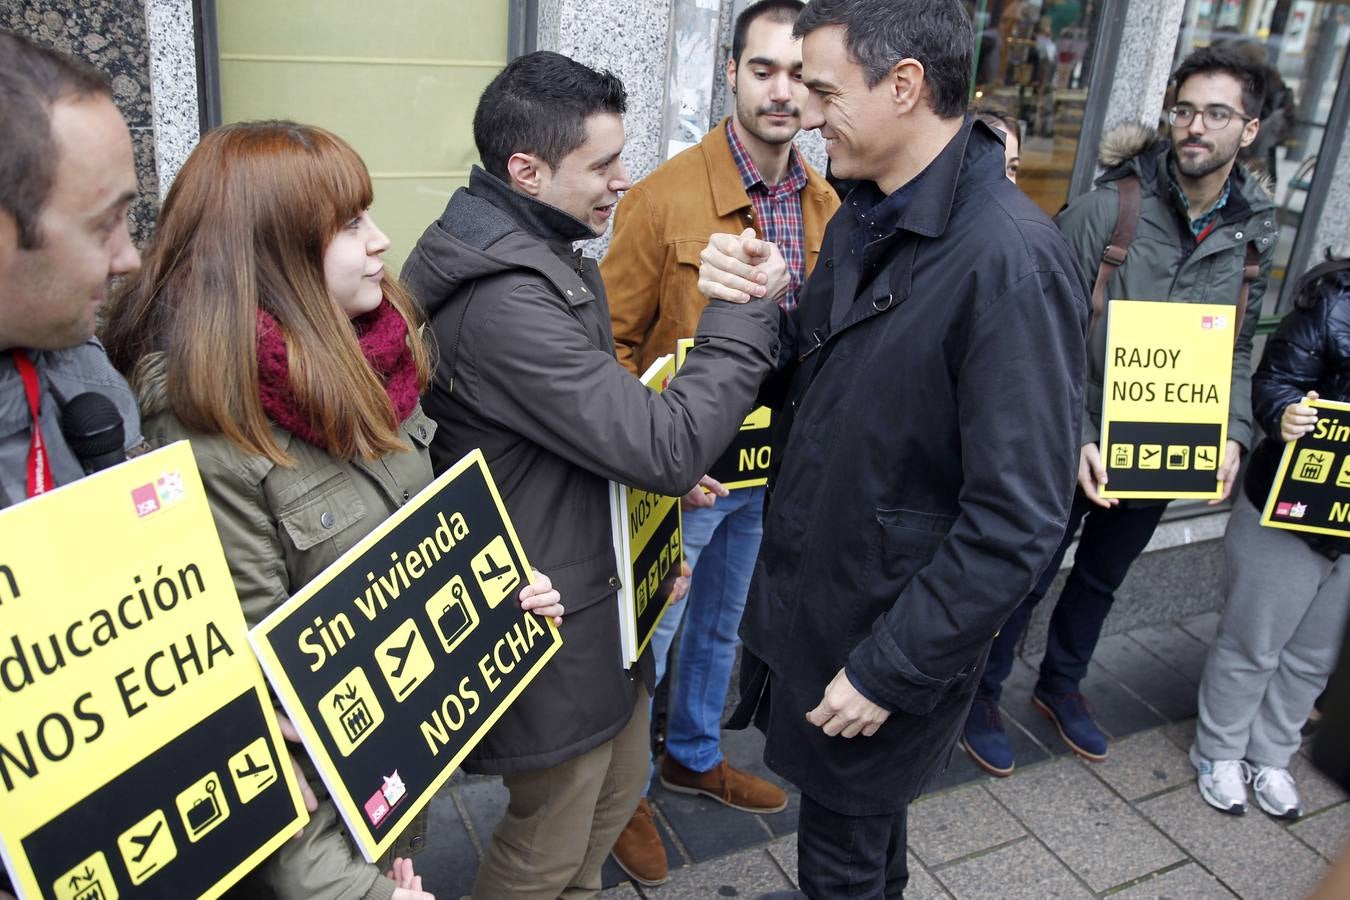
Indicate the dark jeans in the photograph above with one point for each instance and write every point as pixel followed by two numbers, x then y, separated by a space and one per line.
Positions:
pixel 842 856
pixel 1112 540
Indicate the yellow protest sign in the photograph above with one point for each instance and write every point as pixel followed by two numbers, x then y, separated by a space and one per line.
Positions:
pixel 139 755
pixel 1311 491
pixel 1165 398
pixel 745 462
pixel 648 545
pixel 399 657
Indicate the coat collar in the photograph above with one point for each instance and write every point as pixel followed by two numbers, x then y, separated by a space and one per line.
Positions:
pixel 548 223
pixel 728 191
pixel 969 152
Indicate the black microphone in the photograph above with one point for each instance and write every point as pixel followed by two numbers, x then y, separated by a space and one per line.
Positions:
pixel 93 428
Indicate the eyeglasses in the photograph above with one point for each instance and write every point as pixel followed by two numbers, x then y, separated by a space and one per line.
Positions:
pixel 1216 118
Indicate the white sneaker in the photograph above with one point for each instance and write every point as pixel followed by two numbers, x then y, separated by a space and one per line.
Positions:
pixel 1276 794
pixel 1222 782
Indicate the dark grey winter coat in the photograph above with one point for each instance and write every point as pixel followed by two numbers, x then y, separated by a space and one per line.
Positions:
pixel 524 333
pixel 927 452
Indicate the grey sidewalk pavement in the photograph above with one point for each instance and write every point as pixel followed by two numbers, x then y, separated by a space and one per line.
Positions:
pixel 1132 827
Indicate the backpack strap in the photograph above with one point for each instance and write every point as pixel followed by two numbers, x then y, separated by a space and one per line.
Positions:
pixel 1122 235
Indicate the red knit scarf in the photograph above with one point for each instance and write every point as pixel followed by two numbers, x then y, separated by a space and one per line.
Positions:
pixel 383 336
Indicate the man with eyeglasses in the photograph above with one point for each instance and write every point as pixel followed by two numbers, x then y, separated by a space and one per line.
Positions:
pixel 1203 232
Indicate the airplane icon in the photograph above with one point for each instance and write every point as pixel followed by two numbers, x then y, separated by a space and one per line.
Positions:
pixel 404 660
pixel 144 841
pixel 251 768
pixel 146 847
pixel 251 777
pixel 493 569
pixel 401 654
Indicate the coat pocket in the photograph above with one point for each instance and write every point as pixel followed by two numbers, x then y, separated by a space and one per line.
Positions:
pixel 912 532
pixel 322 513
pixel 584 582
pixel 687 253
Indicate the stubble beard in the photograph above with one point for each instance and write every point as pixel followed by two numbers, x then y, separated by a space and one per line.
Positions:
pixel 748 119
pixel 1219 158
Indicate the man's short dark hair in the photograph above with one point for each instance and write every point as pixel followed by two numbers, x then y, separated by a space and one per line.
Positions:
pixel 880 33
pixel 782 11
pixel 32 80
pixel 1228 60
pixel 539 105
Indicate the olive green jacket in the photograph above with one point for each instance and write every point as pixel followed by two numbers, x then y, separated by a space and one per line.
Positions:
pixel 1165 262
pixel 280 527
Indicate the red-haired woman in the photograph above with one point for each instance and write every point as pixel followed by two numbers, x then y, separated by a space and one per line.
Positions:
pixel 264 327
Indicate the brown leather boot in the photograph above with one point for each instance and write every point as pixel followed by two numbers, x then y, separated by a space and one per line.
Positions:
pixel 639 850
pixel 737 789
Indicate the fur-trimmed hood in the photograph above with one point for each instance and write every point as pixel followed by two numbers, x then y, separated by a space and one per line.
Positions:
pixel 1132 140
pixel 1124 142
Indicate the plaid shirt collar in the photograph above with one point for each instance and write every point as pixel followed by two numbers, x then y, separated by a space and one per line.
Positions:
pixel 1200 226
pixel 793 180
pixel 777 209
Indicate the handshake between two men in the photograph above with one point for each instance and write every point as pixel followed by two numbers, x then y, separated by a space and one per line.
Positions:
pixel 739 268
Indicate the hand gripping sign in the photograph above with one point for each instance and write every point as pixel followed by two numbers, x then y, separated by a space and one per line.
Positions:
pixel 398 658
pixel 139 755
pixel 1311 491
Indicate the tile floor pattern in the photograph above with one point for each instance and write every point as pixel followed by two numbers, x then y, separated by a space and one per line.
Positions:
pixel 1132 827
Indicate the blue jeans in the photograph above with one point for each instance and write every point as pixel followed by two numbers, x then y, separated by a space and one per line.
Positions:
pixel 720 545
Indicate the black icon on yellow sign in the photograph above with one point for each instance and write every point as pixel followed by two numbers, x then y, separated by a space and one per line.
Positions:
pixel 90 880
pixel 1313 466
pixel 452 613
pixel 147 846
pixel 252 770
pixel 351 711
pixel 202 807
pixel 1178 457
pixel 647 588
pixel 496 572
pixel 404 660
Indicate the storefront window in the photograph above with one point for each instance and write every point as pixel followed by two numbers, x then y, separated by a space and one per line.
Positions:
pixel 1302 43
pixel 1033 59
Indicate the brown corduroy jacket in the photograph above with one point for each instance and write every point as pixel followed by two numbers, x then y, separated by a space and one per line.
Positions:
pixel 661 226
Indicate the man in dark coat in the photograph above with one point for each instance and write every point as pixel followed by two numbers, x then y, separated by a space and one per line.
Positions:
pixel 930 394
pixel 527 373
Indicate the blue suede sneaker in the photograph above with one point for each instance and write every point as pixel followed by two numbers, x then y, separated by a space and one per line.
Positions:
pixel 1073 719
pixel 985 739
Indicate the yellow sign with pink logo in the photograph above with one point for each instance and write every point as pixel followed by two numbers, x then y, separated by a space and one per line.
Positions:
pixel 140 755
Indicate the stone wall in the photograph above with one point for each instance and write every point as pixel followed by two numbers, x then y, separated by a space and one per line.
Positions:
pixel 111 35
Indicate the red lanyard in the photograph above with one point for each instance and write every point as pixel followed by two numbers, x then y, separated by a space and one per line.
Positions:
pixel 39 471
